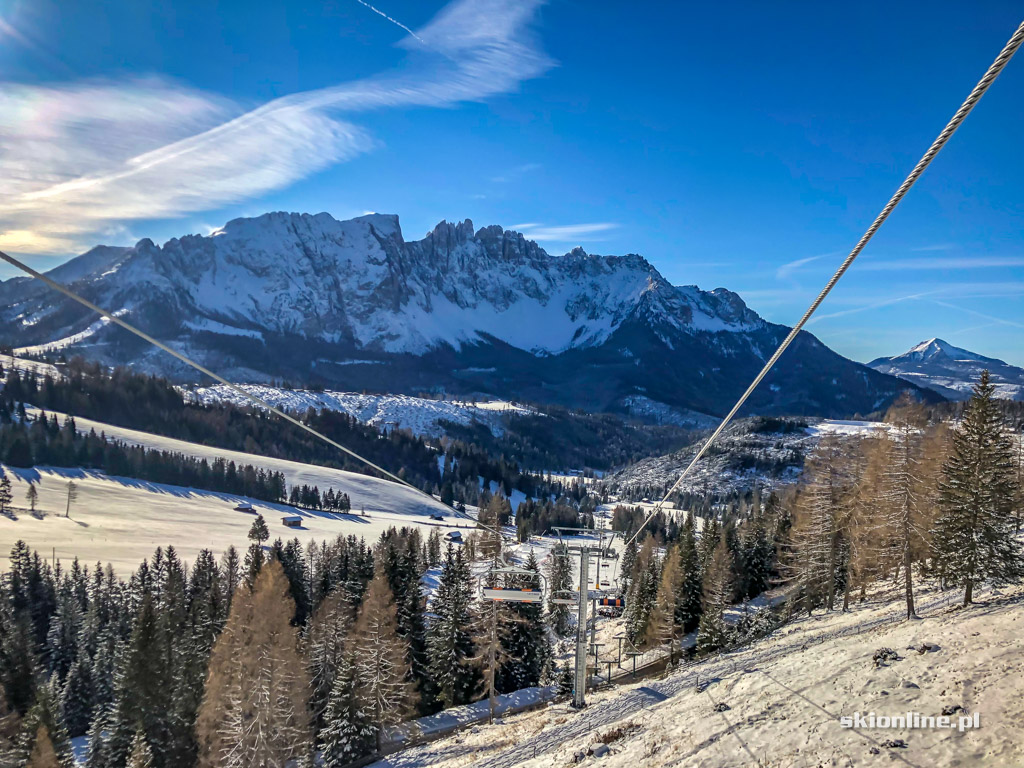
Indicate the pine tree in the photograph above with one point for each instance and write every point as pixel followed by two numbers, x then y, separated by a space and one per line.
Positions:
pixel 254 708
pixel 711 632
pixel 5 495
pixel 689 597
pixel 559 574
pixel 32 497
pixel 973 537
pixel 326 638
pixel 449 640
pixel 381 659
pixel 642 594
pixel 349 730
pixel 259 532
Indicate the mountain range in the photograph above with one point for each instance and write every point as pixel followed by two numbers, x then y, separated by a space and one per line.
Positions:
pixel 353 305
pixel 952 371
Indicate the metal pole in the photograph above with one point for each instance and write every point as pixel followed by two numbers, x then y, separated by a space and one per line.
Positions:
pixel 579 698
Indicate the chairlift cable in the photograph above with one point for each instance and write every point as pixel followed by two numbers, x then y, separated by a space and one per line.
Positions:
pixel 997 66
pixel 234 387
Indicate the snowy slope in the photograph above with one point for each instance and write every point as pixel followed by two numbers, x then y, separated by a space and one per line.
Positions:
pixel 952 371
pixel 783 698
pixel 122 520
pixel 742 457
pixel 417 414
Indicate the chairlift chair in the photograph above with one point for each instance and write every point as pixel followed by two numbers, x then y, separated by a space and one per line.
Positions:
pixel 511 594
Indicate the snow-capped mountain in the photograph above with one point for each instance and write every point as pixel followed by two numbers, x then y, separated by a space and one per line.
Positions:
pixel 952 371
pixel 354 305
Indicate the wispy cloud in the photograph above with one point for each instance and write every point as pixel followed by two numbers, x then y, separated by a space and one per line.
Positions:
pixel 936 247
pixel 982 315
pixel 873 305
pixel 515 173
pixel 82 156
pixel 565 233
pixel 787 269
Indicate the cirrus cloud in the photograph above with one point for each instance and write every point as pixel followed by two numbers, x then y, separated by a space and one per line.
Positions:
pixel 82 157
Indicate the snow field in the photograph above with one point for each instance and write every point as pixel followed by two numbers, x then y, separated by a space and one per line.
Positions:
pixel 417 414
pixel 122 520
pixel 784 695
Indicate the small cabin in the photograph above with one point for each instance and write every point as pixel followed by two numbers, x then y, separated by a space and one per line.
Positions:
pixel 455 536
pixel 244 506
pixel 436 516
pixel 292 521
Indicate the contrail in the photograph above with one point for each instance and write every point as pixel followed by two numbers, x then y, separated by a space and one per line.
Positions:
pixel 393 21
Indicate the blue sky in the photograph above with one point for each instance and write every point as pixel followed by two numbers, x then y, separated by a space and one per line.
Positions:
pixel 744 145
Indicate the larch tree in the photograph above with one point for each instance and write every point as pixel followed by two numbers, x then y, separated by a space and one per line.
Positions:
pixel 254 709
pixel 662 628
pixel 974 537
pixel 381 659
pixel 819 554
pixel 906 514
pixel 43 754
pixel 141 755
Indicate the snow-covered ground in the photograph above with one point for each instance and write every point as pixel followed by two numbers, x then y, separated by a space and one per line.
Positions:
pixel 417 414
pixel 741 458
pixel 121 520
pixel 778 702
pixel 42 369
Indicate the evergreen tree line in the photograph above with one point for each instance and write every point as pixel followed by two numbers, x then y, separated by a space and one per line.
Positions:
pixel 919 499
pixel 266 658
pixel 152 404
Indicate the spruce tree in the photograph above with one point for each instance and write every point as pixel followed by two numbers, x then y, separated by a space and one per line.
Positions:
pixel 559 574
pixel 32 497
pixel 5 495
pixel 349 731
pixel 688 599
pixel 642 594
pixel 449 639
pixel 711 631
pixel 974 537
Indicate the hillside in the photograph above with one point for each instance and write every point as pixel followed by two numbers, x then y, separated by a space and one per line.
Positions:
pixel 952 371
pixel 354 306
pixel 756 451
pixel 778 702
pixel 122 520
